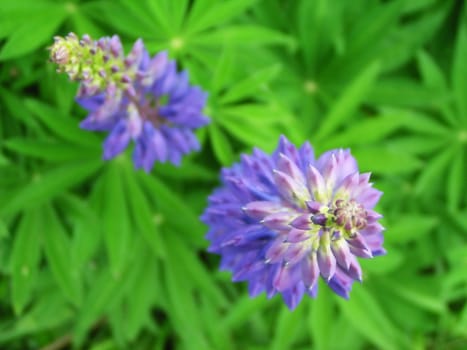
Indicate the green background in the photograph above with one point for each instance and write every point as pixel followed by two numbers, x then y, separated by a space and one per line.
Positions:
pixel 115 258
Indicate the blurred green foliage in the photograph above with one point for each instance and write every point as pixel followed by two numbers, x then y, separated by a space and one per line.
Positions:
pixel 96 254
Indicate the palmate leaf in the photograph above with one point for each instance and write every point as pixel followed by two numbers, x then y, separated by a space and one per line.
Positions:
pixel 174 210
pixel 15 107
pixel 57 249
pixel 286 328
pixel 48 184
pixel 243 35
pixel 342 109
pixel 385 264
pixel 199 276
pixel 140 299
pixel 247 87
pixel 140 288
pixel 24 260
pixel 219 337
pixel 130 19
pixel 243 310
pixel 50 150
pixel 181 306
pixel 49 312
pixel 142 214
pixel 434 171
pixel 459 68
pixel 456 180
pixel 33 32
pixel 245 130
pixel 405 92
pixel 220 145
pixel 206 14
pixel 115 219
pixel 364 42
pixel 417 291
pixel 367 131
pixel 320 318
pixel 384 160
pixel 62 126
pixel 363 311
pixel 409 37
pixel 105 292
pixel 223 71
pixel 86 229
pixel 410 228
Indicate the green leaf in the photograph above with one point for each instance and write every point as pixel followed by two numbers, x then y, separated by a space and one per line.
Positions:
pixel 417 5
pixel 181 306
pixel 253 84
pixel 243 310
pixel 382 265
pixel 141 297
pixel 410 228
pixel 320 319
pixel 49 312
pixel 223 71
pixel 172 208
pixel 4 232
pixel 86 226
pixel 214 15
pixel 143 216
pixel 57 249
pixel 242 35
pixel 384 160
pixel 418 145
pixel 434 170
pixel 49 150
pixel 33 33
pixel 341 111
pixel 409 37
pixel 405 92
pixel 286 329
pixel 220 145
pixel 58 124
pixel 456 180
pixel 49 184
pixel 260 114
pixel 367 316
pixel 104 293
pixel 177 12
pixel 14 104
pixel 364 132
pixel 364 41
pixel 115 219
pixel 416 292
pixel 200 277
pixel 432 74
pixel 83 24
pixel 127 17
pixel 158 11
pixel 245 130
pixel 459 68
pixel 24 260
pixel 315 26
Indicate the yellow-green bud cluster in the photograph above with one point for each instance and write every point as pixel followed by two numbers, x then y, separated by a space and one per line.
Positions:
pixel 96 64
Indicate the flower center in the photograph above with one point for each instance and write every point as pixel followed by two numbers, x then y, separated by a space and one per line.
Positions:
pixel 350 215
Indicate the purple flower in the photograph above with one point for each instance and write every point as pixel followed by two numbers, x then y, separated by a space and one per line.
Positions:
pixel 135 98
pixel 281 221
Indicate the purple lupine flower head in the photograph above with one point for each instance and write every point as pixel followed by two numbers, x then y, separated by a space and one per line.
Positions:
pixel 281 221
pixel 134 97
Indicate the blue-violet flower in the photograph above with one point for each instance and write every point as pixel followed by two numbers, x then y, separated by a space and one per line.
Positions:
pixel 281 221
pixel 133 97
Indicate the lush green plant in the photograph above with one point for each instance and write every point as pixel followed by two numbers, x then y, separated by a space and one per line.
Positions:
pixel 101 256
